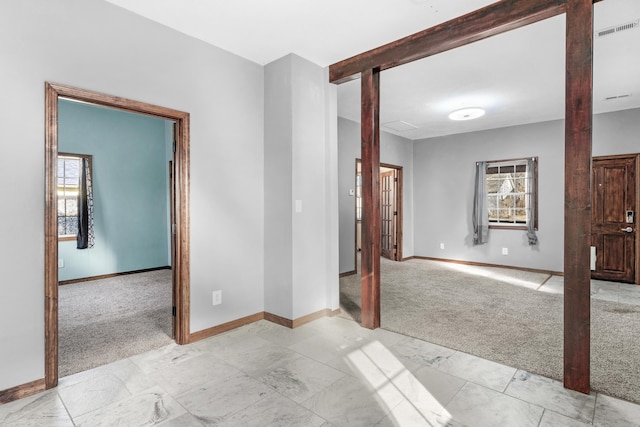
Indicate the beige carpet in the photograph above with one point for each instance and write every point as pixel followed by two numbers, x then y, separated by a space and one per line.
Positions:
pixel 102 321
pixel 497 314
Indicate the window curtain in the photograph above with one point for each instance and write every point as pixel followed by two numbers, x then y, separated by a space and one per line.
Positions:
pixel 85 237
pixel 531 203
pixel 480 211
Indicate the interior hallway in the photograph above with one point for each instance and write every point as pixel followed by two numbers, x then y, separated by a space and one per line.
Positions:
pixel 327 373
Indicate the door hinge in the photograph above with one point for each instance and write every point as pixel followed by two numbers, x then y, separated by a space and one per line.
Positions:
pixel 395 213
pixel 395 246
pixel 173 228
pixel 395 179
pixel 174 311
pixel 174 146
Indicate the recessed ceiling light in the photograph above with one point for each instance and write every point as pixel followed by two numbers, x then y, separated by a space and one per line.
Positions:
pixel 467 114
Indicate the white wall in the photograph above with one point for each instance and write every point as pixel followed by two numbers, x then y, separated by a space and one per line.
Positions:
pixel 300 235
pixel 444 176
pixel 394 150
pixel 98 46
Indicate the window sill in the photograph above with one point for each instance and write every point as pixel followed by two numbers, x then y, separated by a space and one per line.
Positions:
pixel 510 227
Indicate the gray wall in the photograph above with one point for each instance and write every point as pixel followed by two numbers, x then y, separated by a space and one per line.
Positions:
pixel 616 133
pixel 73 42
pixel 394 150
pixel 300 277
pixel 95 45
pixel 444 176
pixel 278 188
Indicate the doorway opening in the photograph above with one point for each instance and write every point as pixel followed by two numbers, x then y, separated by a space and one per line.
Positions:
pixel 179 197
pixel 390 211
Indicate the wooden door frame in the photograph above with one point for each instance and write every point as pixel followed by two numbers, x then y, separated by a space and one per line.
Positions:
pixel 399 201
pixel 497 18
pixel 399 204
pixel 53 92
pixel 636 157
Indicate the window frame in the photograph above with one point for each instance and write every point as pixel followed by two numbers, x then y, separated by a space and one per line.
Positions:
pixel 71 237
pixel 515 226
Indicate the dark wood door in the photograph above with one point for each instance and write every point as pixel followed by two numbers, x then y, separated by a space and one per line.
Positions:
pixel 388 214
pixel 613 228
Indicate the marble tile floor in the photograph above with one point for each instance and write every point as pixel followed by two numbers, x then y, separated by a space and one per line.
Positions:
pixel 327 373
pixel 600 289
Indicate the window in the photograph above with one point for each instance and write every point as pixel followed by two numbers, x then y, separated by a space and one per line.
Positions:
pixel 69 191
pixel 509 194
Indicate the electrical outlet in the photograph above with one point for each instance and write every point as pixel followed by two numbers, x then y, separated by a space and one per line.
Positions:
pixel 60 262
pixel 505 251
pixel 216 298
pixel 441 245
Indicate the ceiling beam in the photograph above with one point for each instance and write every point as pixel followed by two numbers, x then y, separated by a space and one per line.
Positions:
pixel 496 18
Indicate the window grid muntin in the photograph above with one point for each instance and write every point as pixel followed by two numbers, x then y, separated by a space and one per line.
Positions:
pixel 514 177
pixel 68 189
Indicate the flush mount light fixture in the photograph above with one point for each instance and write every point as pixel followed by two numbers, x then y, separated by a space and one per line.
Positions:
pixel 467 114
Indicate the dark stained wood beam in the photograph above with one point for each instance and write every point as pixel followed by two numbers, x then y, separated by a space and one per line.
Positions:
pixel 371 221
pixel 494 19
pixel 577 198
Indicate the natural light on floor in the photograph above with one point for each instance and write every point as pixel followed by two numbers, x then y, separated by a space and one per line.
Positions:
pixel 397 390
pixel 483 272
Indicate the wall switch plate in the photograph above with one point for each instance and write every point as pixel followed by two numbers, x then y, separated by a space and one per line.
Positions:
pixel 60 262
pixel 352 192
pixel 216 298
pixel 505 251
pixel 441 245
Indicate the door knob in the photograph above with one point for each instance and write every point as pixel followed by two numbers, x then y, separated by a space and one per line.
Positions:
pixel 628 229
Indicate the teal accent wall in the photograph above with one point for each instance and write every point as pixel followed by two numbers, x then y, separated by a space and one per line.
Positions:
pixel 130 189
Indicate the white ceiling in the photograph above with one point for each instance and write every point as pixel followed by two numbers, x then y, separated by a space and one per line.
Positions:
pixel 518 77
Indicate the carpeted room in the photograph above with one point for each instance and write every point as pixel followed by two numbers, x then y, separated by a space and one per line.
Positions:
pixel 471 311
pixel 506 315
pixel 105 315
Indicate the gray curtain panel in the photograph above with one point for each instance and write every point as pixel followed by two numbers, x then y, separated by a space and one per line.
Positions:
pixel 531 194
pixel 480 212
pixel 85 237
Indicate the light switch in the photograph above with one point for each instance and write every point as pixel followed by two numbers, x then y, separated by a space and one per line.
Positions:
pixel 352 192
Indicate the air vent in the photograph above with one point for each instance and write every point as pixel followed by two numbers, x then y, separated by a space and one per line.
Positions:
pixel 616 29
pixel 611 98
pixel 399 126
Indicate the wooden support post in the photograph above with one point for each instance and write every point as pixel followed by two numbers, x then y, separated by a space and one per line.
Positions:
pixel 370 255
pixel 577 198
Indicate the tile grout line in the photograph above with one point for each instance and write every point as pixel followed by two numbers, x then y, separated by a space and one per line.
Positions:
pixel 595 408
pixel 65 407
